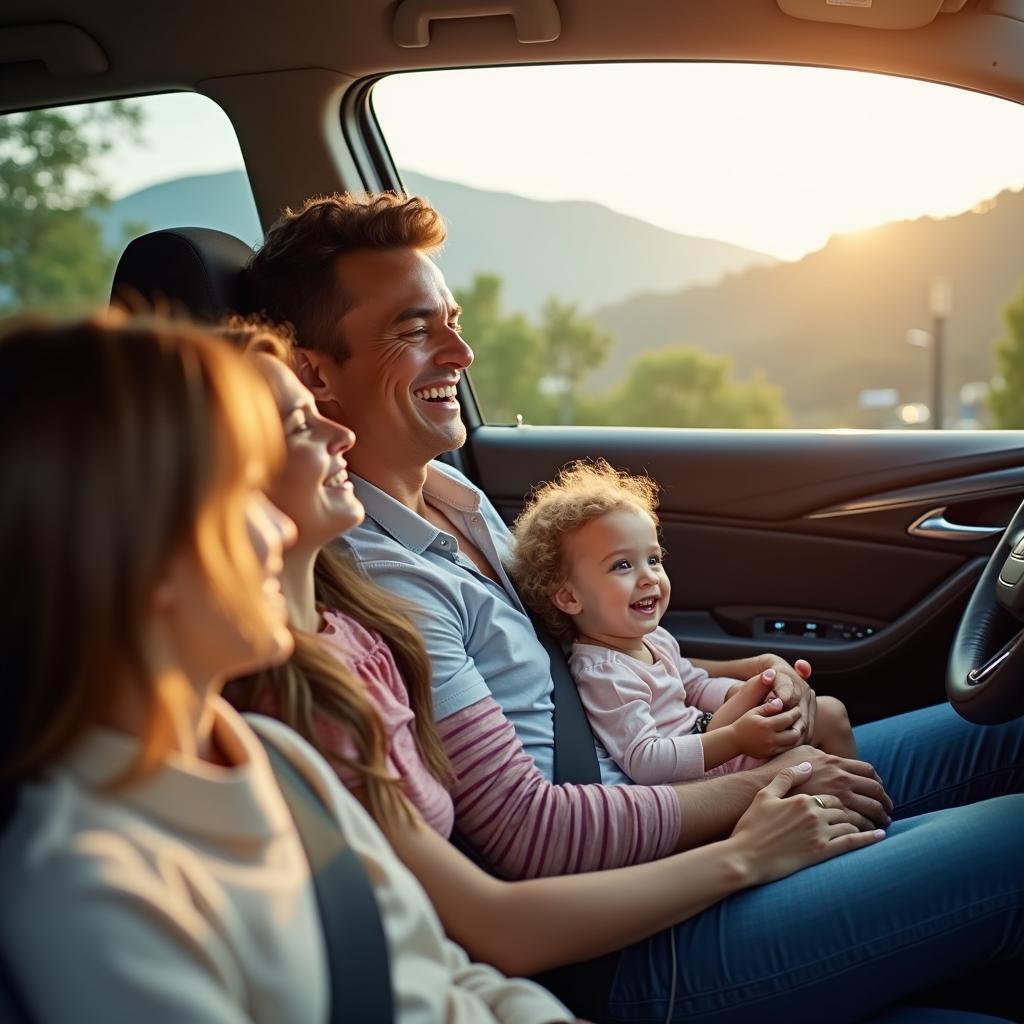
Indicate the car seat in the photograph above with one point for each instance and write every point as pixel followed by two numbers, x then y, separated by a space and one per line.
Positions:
pixel 197 271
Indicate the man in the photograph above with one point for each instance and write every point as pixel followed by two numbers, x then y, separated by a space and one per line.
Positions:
pixel 379 331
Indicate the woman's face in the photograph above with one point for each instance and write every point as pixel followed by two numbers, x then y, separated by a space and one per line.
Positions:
pixel 271 532
pixel 312 487
pixel 211 642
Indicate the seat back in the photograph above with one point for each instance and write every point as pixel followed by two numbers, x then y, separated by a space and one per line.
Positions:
pixel 193 270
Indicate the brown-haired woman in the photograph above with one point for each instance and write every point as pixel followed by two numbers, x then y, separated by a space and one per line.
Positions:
pixel 376 723
pixel 343 683
pixel 149 869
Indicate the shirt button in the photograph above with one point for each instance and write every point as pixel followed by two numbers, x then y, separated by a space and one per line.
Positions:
pixel 444 542
pixel 475 519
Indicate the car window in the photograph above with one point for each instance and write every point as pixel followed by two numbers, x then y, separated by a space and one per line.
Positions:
pixel 77 183
pixel 723 245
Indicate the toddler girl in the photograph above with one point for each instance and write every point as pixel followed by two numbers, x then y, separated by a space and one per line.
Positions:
pixel 588 560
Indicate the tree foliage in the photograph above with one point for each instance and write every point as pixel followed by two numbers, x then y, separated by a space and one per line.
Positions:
pixel 573 346
pixel 540 372
pixel 508 353
pixel 685 387
pixel 52 253
pixel 1006 399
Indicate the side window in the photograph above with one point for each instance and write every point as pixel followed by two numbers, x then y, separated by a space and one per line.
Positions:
pixel 77 183
pixel 723 245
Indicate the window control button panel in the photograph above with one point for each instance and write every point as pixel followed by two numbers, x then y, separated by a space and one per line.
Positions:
pixel 813 629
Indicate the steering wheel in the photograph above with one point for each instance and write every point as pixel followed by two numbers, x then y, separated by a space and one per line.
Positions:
pixel 985 674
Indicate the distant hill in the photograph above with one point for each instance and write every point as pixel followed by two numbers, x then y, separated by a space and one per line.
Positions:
pixel 222 201
pixel 581 252
pixel 835 322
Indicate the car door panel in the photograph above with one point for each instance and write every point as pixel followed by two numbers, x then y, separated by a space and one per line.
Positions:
pixel 803 529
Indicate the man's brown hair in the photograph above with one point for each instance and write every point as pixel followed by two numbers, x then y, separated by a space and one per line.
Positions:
pixel 292 277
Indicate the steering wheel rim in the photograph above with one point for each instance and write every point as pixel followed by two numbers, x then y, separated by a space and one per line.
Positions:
pixel 984 674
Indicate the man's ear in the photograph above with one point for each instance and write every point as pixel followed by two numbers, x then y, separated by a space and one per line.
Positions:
pixel 309 365
pixel 565 600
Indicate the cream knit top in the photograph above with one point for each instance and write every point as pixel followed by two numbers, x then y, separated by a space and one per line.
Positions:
pixel 187 897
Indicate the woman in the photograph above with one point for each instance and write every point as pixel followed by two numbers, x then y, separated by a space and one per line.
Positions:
pixel 149 869
pixel 533 925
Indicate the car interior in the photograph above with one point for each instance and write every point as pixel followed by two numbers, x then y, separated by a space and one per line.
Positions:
pixel 886 558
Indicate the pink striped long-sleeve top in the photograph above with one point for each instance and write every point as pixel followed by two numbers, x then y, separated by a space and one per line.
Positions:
pixel 522 824
pixel 527 827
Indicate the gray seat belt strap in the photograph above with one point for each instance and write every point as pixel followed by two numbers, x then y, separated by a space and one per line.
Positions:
pixel 357 952
pixel 575 753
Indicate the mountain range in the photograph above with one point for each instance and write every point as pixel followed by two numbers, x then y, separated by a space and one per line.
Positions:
pixel 581 252
pixel 823 328
pixel 835 323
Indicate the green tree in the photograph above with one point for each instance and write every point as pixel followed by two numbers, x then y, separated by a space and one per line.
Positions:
pixel 52 253
pixel 539 371
pixel 685 387
pixel 508 350
pixel 1006 399
pixel 573 346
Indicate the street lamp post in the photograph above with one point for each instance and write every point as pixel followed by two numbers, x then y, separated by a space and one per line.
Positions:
pixel 940 304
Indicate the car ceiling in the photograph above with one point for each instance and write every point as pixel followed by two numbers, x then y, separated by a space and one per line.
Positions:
pixel 157 47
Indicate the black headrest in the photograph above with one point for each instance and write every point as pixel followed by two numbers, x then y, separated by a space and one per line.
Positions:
pixel 195 268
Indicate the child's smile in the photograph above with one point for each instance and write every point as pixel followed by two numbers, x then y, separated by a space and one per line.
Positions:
pixel 617 589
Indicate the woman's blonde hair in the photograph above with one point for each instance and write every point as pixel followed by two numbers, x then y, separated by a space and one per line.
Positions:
pixel 582 491
pixel 123 440
pixel 314 681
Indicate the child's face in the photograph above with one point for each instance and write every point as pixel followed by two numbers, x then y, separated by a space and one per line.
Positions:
pixel 617 590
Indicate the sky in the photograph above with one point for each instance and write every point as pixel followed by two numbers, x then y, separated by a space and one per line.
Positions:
pixel 776 159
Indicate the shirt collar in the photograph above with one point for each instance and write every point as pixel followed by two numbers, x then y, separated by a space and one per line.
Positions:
pixel 411 530
pixel 191 797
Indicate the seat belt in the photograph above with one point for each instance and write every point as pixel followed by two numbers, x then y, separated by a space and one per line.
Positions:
pixel 12 1006
pixel 357 952
pixel 583 987
pixel 575 753
pixel 575 756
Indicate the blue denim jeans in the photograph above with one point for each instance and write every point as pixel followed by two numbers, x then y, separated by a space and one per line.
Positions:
pixel 840 941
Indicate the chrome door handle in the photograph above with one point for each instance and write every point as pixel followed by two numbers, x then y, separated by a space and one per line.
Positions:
pixel 936 526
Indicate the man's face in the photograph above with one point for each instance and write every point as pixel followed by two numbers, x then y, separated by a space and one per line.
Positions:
pixel 396 389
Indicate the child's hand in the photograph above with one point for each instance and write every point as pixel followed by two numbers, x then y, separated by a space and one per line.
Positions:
pixel 751 694
pixel 792 688
pixel 767 730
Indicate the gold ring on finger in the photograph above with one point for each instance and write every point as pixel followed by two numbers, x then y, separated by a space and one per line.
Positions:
pixel 821 803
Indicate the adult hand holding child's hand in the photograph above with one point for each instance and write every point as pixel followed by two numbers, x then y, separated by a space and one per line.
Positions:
pixel 789 684
pixel 767 730
pixel 792 689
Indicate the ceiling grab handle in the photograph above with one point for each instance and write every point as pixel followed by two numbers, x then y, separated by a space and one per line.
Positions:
pixel 936 526
pixel 537 21
pixel 66 50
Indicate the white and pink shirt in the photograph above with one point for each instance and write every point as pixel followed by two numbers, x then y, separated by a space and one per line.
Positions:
pixel 369 658
pixel 644 714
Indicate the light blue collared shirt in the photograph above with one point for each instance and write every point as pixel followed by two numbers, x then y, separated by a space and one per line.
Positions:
pixel 480 640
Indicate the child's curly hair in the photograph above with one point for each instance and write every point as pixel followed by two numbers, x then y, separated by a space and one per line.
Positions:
pixel 582 492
